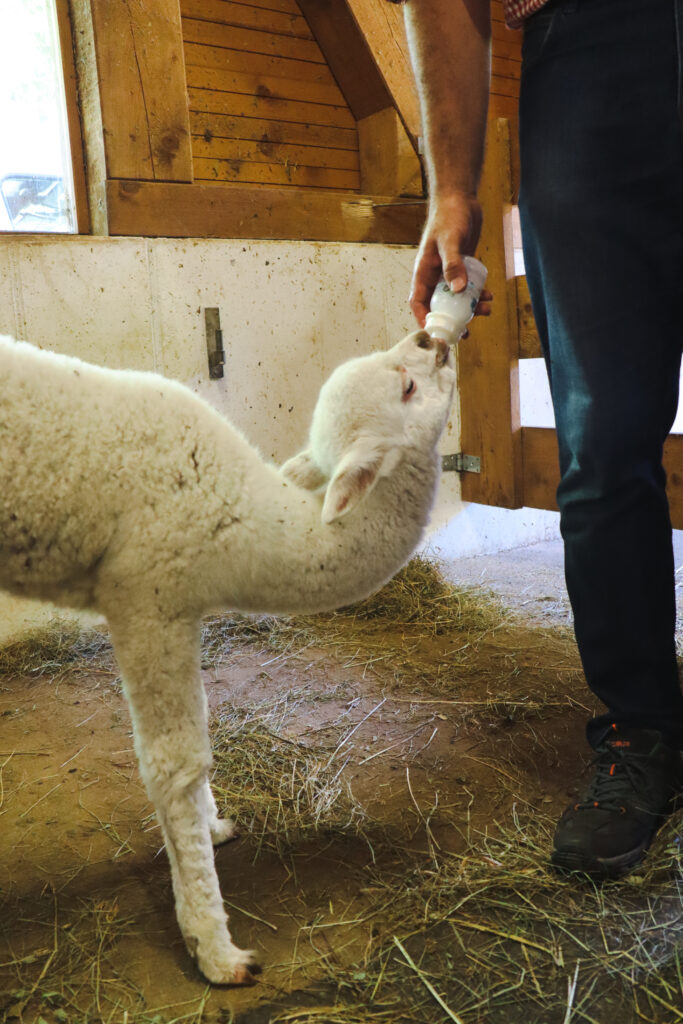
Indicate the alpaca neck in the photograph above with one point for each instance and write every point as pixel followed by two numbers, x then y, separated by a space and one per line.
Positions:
pixel 304 565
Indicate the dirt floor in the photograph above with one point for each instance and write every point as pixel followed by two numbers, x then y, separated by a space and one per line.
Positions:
pixel 394 831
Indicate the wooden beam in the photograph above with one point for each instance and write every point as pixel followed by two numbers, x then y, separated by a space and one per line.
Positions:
pixel 388 163
pixel 91 113
pixel 488 368
pixel 383 29
pixel 236 211
pixel 348 55
pixel 141 70
pixel 541 472
pixel 66 45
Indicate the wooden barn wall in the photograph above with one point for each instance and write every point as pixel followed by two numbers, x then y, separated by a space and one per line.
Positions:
pixel 264 106
pixel 506 66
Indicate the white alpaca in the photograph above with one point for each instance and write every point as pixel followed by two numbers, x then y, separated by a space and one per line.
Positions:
pixel 125 493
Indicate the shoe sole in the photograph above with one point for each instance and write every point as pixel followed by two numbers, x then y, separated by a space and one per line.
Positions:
pixel 601 867
pixel 614 867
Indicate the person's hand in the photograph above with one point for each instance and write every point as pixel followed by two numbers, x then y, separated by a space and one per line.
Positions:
pixel 452 231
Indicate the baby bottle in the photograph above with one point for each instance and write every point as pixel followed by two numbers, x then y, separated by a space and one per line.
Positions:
pixel 450 312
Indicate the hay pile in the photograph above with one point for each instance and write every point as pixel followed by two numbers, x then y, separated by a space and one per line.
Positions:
pixel 279 790
pixel 61 648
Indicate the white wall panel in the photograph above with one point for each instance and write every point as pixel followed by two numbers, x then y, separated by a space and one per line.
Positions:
pixel 88 297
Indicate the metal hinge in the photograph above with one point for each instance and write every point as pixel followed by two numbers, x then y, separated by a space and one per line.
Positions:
pixel 214 342
pixel 461 463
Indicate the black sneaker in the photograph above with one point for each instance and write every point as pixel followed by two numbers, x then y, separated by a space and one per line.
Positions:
pixel 636 780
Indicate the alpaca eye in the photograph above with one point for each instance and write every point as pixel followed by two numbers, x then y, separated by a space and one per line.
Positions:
pixel 409 389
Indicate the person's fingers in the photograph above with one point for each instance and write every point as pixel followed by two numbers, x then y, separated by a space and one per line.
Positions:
pixel 454 270
pixel 452 231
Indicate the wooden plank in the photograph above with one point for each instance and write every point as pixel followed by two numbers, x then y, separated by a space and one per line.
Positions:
pixel 264 85
pixel 487 360
pixel 389 164
pixel 141 74
pixel 274 152
pixel 503 67
pixel 506 48
pixel 66 45
pixel 207 56
pixel 284 6
pixel 505 86
pixel 91 113
pixel 348 55
pixel 514 154
pixel 503 106
pixel 214 126
pixel 234 211
pixel 673 461
pixel 270 107
pixel 542 474
pixel 240 15
pixel 383 29
pixel 250 39
pixel 275 174
pixel 529 341
pixel 502 34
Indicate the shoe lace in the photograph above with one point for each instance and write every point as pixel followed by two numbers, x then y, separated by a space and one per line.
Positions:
pixel 618 775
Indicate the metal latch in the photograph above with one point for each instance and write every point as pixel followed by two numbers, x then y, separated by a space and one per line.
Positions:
pixel 214 343
pixel 461 463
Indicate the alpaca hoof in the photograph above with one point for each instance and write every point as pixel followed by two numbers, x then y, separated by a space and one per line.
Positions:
pixel 243 976
pixel 237 968
pixel 222 830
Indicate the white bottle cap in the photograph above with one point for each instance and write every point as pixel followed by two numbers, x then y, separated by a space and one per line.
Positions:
pixel 444 326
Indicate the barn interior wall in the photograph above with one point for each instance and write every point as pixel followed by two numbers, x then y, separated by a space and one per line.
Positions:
pixel 290 312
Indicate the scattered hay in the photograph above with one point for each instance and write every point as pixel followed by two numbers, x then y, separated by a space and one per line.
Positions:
pixel 493 936
pixel 278 788
pixel 56 649
pixel 70 976
pixel 417 604
pixel 486 935
pixel 72 961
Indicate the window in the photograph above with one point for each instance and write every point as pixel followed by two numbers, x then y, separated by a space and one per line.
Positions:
pixel 36 173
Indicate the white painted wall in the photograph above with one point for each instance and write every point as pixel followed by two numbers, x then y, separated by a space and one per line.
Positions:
pixel 290 312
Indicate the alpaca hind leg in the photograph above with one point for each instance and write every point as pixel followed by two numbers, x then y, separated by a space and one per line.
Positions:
pixel 221 829
pixel 160 668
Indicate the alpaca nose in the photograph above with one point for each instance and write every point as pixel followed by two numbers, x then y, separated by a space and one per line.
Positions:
pixel 442 351
pixel 426 341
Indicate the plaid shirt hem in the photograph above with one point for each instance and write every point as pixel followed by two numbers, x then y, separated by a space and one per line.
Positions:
pixel 517 11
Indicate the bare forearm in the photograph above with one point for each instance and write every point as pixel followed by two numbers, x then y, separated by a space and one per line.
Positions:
pixel 449 44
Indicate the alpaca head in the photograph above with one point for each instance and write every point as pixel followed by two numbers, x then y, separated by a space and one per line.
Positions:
pixel 370 413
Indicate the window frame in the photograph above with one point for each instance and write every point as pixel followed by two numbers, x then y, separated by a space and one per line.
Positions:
pixel 75 136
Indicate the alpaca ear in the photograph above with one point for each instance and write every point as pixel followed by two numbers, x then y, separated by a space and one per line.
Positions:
pixel 302 470
pixel 355 477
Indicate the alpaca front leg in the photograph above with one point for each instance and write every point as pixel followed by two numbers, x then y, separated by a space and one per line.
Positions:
pixel 160 667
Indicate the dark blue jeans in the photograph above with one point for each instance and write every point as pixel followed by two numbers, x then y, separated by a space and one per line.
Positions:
pixel 601 204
